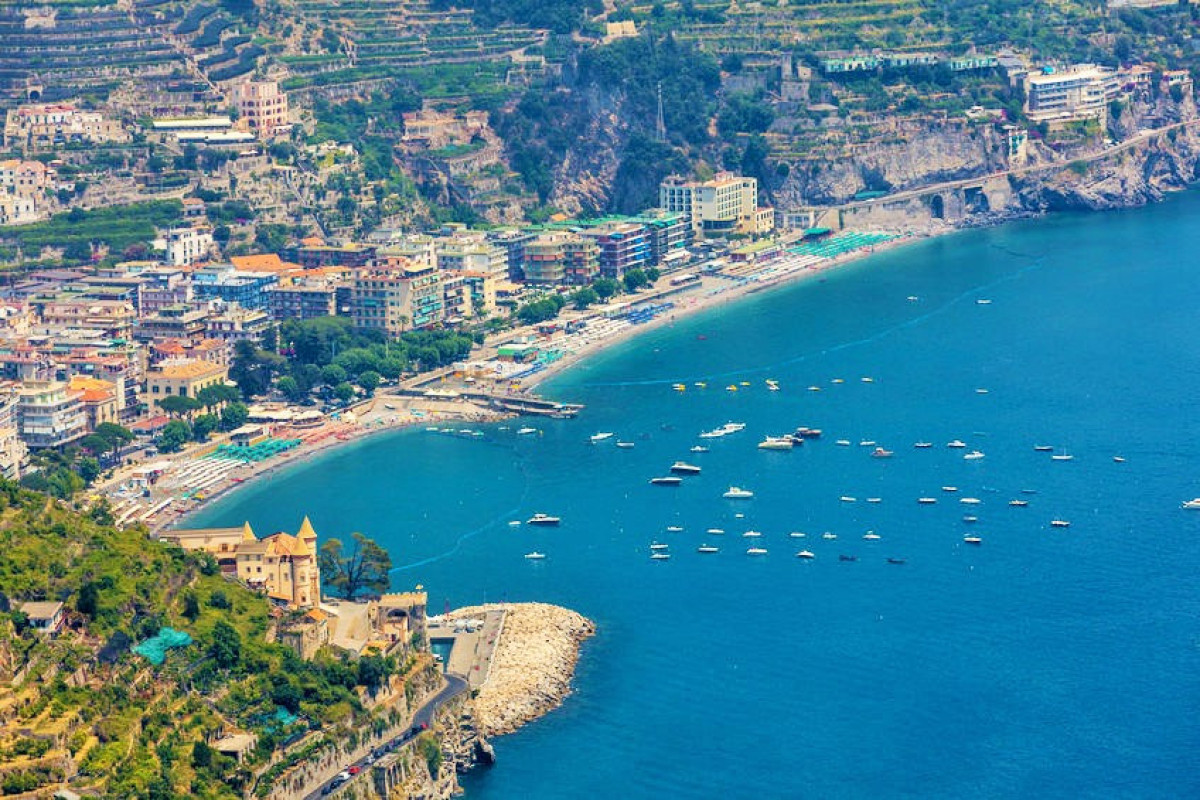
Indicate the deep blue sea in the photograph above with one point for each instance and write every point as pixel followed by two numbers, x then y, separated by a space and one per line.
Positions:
pixel 1046 662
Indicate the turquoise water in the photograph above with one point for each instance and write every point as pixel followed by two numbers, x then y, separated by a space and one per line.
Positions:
pixel 1047 662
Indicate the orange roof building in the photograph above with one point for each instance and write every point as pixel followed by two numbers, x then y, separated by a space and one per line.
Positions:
pixel 283 565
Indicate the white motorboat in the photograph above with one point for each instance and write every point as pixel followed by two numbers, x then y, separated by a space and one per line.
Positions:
pixel 797 535
pixel 866 379
pixel 1062 457
pixel 658 546
pixel 736 493
pixel 1119 459
pixel 970 501
pixel 683 468
pixel 848 499
pixel 1043 448
pixel 838 380
pixel 949 488
pixel 1192 503
pixel 867 443
pixel 926 501
pixel 874 499
pixel 600 437
pixel 973 539
pixel 674 529
pixel 1060 523
pixel 752 534
pixel 543 519
pixel 870 537
pixel 1018 503
pixel 707 548
pixel 667 480
pixel 733 427
pixel 716 434
pixel 776 443
pixel 535 556
pixel 773 385
pixel 983 302
pixel 716 531
pixel 526 431
pixel 756 551
pixel 814 388
pixel 957 443
pixel 970 520
pixel 842 442
pixel 660 556
pixel 699 448
pixel 828 535
pixel 805 554
pixel 974 455
pixel 922 445
pixel 625 445
pixel 879 452
pixel 981 391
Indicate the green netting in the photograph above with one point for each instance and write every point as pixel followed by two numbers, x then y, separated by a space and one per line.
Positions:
pixel 155 650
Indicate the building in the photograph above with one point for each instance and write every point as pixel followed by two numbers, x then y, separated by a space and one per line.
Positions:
pixel 300 301
pixel 49 415
pixel 113 318
pixel 12 449
pixel 223 282
pixel 178 321
pixel 1079 92
pixel 399 617
pixel 101 399
pixel 623 246
pixel 397 295
pixel 282 565
pixel 261 107
pixel 213 350
pixel 46 126
pixel 472 254
pixel 726 204
pixel 436 129
pixel 45 617
pixel 468 295
pixel 313 253
pixel 669 235
pixel 186 246
pixel 514 243
pixel 183 378
pixel 232 323
pixel 561 258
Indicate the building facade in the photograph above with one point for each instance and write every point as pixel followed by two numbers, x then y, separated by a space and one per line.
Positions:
pixel 397 295
pixel 183 378
pixel 726 204
pixel 1082 91
pixel 261 106
pixel 50 415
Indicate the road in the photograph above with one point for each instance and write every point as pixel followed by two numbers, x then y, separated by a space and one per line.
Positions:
pixel 421 720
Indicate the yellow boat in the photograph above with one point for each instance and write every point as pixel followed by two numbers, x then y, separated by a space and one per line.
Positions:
pixel 731 387
pixel 745 383
pixel 679 387
pixel 701 385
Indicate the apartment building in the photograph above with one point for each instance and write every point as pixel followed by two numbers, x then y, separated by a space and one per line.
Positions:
pixel 47 125
pixel 49 415
pixel 396 295
pixel 261 106
pixel 622 246
pixel 186 246
pixel 1081 91
pixel 183 378
pixel 726 204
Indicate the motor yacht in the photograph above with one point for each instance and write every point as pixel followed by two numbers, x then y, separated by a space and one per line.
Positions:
pixel 543 519
pixel 736 493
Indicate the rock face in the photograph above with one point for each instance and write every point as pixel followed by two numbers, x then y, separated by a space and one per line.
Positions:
pixel 532 665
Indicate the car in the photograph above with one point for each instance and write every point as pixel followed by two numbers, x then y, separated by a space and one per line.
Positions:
pixel 355 770
pixel 342 776
pixel 418 728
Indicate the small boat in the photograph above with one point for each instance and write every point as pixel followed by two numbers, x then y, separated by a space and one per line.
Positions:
pixel 956 443
pixel 895 560
pixel 679 387
pixel 526 431
pixel 848 499
pixel 814 388
pixel 1119 459
pixel 543 519
pixel 847 558
pixel 773 386
pixel 926 501
pixel 658 546
pixel 871 537
pixel 717 434
pixel 660 556
pixel 735 493
pixel 1062 457
pixel 874 499
pixel 752 534
pixel 828 535
pixel 777 443
pixel 879 452
pixel 674 528
pixel 756 551
pixel 808 433
pixel 1192 504
pixel 716 531
pixel 1060 523
pixel 838 380
pixel 699 448
pixel 867 380
pixel 842 442
pixel 707 548
pixel 682 468
pixel 731 387
pixel 1029 491
pixel 949 488
pixel 970 519
pixel 970 501
pixel 974 455
pixel 733 427
pixel 744 383
pixel 972 539
pixel 1018 503
pixel 625 445
pixel 805 554
pixel 1043 448
pixel 983 302
pixel 535 556
pixel 516 523
pixel 912 298
pixel 797 535
pixel 923 445
pixel 600 437
pixel 667 480
pixel 981 391
pixel 867 443
pixel 700 385
pixel 389 406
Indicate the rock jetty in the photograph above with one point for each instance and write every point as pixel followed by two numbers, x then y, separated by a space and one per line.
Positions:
pixel 532 665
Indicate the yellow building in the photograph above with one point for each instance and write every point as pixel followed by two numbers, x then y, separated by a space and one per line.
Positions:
pixel 99 397
pixel 184 378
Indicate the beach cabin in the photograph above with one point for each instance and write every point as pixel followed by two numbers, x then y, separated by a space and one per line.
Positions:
pixel 518 352
pixel 249 434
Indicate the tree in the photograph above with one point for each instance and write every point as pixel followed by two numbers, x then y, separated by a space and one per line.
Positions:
pixel 226 648
pixel 203 426
pixel 116 435
pixel 191 606
pixel 202 755
pixel 332 375
pixel 653 274
pixel 369 381
pixel 213 396
pixel 89 470
pixel 234 416
pixel 177 404
pixel 634 280
pixel 366 566
pixel 174 436
pixel 605 288
pixel 344 392
pixel 88 600
pixel 582 298
pixel 290 388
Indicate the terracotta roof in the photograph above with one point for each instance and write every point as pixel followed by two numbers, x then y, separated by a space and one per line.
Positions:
pixel 267 262
pixel 284 544
pixel 189 369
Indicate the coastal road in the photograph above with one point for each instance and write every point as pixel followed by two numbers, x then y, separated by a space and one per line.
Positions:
pixel 421 720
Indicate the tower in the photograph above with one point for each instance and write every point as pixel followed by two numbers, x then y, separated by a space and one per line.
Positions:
pixel 661 123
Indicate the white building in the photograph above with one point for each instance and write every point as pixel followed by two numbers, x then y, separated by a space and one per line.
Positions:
pixel 1082 91
pixel 186 246
pixel 726 204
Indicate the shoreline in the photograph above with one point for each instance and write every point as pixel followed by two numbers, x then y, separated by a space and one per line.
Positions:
pixel 369 420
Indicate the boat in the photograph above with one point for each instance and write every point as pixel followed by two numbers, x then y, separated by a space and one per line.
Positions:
pixel 625 445
pixel 973 455
pixel 735 493
pixel 867 443
pixel 1191 503
pixel 970 501
pixel 797 535
pixel 981 391
pixel 682 468
pixel 1029 491
pixel 700 385
pixel 717 434
pixel 848 499
pixel 814 388
pixel 731 387
pixel 895 560
pixel 926 501
pixel 777 443
pixel 716 531
pixel 600 437
pixel 871 536
pixel 543 519
pixel 923 445
pixel 874 499
pixel 983 302
pixel 1043 448
pixel 956 443
pixel 1119 459
pixel 389 406
pixel 658 546
pixel 808 433
pixel 972 539
pixel 805 554
pixel 516 523
pixel 674 528
pixel 756 551
pixel 828 535
pixel 535 556
pixel 744 383
pixel 879 452
pixel 867 380
pixel 733 427
pixel 660 556
pixel 949 488
pixel 752 534
pixel 1060 523
pixel 842 442
pixel 526 431
pixel 912 298
pixel 667 480
pixel 847 558
pixel 773 386
pixel 707 548
pixel 699 448
pixel 1018 503
pixel 970 519
pixel 1062 457
pixel 679 387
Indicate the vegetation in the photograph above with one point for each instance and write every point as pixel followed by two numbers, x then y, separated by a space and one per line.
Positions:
pixel 365 566
pixel 116 227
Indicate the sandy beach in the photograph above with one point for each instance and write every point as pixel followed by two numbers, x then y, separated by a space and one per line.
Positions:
pixel 388 412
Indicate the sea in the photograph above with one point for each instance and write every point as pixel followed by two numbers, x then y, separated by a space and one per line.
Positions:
pixel 1042 662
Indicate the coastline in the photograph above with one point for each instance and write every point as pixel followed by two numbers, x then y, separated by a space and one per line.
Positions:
pixel 368 419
